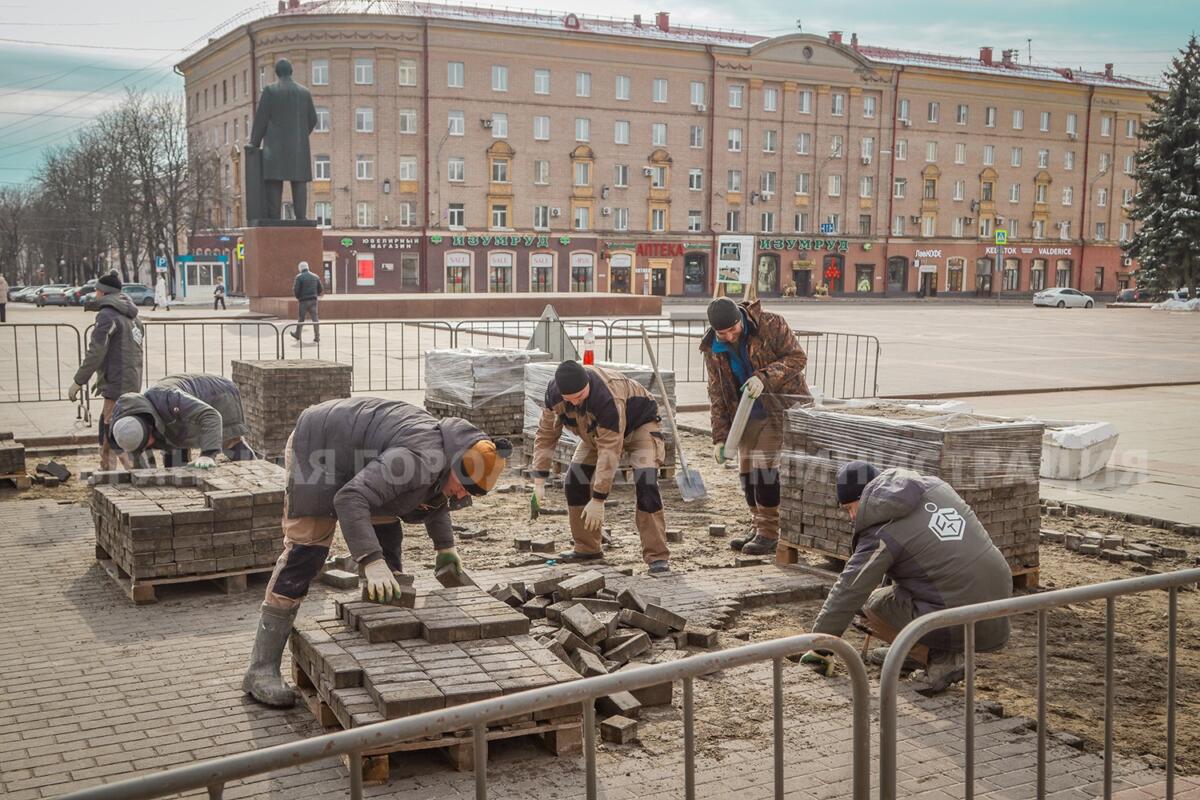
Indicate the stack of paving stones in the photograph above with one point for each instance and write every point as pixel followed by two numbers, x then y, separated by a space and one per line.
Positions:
pixel 538 376
pixel 993 465
pixel 274 392
pixel 486 387
pixel 176 523
pixel 12 456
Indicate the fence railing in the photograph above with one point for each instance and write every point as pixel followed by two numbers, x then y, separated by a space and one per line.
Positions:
pixel 38 361
pixel 967 616
pixel 215 774
pixel 387 355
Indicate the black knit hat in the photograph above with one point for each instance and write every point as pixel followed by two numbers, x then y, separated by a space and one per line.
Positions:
pixel 723 313
pixel 852 478
pixel 109 283
pixel 570 377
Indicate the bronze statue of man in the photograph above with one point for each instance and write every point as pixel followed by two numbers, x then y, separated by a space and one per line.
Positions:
pixel 284 118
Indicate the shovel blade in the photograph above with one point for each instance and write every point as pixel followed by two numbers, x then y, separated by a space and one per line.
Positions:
pixel 691 485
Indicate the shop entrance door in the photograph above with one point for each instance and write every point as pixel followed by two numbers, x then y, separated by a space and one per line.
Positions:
pixel 695 275
pixel 897 275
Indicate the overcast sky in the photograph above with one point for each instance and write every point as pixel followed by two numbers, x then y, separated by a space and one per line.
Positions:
pixel 62 63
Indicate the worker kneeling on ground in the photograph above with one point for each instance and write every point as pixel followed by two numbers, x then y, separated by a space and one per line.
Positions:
pixel 182 412
pixel 611 414
pixel 916 531
pixel 753 352
pixel 368 464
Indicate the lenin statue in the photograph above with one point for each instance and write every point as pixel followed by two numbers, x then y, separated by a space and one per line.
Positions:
pixel 283 120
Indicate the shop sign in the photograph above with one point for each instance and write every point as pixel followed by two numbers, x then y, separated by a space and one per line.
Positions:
pixel 841 245
pixel 458 259
pixel 464 240
pixel 660 249
pixel 582 260
pixel 500 259
pixel 384 242
pixel 621 260
pixel 539 260
pixel 1029 251
pixel 929 254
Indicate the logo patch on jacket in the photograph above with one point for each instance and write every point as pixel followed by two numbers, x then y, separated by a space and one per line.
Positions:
pixel 946 523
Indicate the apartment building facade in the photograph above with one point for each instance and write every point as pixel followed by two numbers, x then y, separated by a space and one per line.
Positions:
pixel 468 150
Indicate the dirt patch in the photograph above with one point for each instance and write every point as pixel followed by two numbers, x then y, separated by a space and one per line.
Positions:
pixel 73 491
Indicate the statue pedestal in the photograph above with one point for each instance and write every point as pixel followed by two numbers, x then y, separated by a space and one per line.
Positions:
pixel 272 256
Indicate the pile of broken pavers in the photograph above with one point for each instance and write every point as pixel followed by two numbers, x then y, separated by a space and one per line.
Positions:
pixel 598 630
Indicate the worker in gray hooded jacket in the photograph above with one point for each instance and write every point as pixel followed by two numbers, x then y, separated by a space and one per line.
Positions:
pixel 182 412
pixel 916 531
pixel 368 464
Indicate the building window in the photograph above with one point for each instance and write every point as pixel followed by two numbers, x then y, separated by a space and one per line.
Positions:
pixel 1014 193
pixel 408 121
pixel 541 81
pixel 410 273
pixel 864 224
pixel 407 214
pixel 960 188
pixel 541 129
pixel 1105 163
pixel 767 183
pixel 499 170
pixel 1125 230
pixel 323 118
pixel 541 172
pixel 364 71
pixel 696 180
pixel 1044 121
pixel 767 222
pixel 499 216
pixel 456 169
pixel 1043 159
pixel 320 73
pixel 658 134
pixel 934 112
pixel 1106 124
pixel 1069 160
pixel 583 129
pixel 408 168
pixel 1039 229
pixel 1068 196
pixel 499 78
pixel 804 144
pixel 1127 197
pixel 770 139
pixel 985 191
pixel 499 126
pixel 1102 197
pixel 930 190
pixel 835 220
pixel 456 124
pixel 1072 123
pixel 364 215
pixel 960 116
pixel 989 155
pixel 902 111
pixel 804 102
pixel 898 225
pixel 623 87
pixel 694 221
pixel 364 120
pixel 835 185
pixel 770 99
pixel 1063 268
pixel 1131 128
pixel 621 132
pixel 928 225
pixel 867 149
pixel 835 146
pixel 736 91
pixel 323 212
pixel 1016 156
pixel 658 219
pixel 407 71
pixel 621 175
pixel 364 168
pixel 735 140
pixel 1129 159
pixel 902 149
pixel 582 220
pixel 583 84
pixel 1018 119
pixel 658 90
pixel 899 188
pixel 697 93
pixel 696 137
pixel 930 152
pixel 658 177
pixel 870 102
pixel 989 117
pixel 866 186
pixel 1039 193
pixel 733 220
pixel 733 180
pixel 1064 230
pixel 959 228
pixel 837 104
pixel 583 173
pixel 321 168
pixel 454 74
pixel 985 227
pixel 541 217
pixel 800 222
pixel 621 219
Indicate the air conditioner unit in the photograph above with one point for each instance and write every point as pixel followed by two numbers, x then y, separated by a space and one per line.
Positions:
pixel 866 159
pixel 915 220
pixel 605 211
pixel 486 123
pixel 701 107
pixel 906 123
pixel 647 171
pixel 1062 225
pixel 556 212
pixel 1127 262
pixel 1071 135
pixel 969 221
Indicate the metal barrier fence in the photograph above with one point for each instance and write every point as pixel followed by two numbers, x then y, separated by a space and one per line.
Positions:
pixel 967 616
pixel 205 347
pixel 38 361
pixel 387 355
pixel 215 774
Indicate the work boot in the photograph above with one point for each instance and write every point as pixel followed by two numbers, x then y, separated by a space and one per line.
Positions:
pixel 575 555
pixel 738 542
pixel 945 668
pixel 263 681
pixel 660 568
pixel 879 654
pixel 759 546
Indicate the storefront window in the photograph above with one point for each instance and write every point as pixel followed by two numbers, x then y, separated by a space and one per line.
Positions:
pixel 582 270
pixel 695 274
pixel 621 273
pixel 500 272
pixel 458 273
pixel 1012 274
pixel 864 278
pixel 1037 275
pixel 541 272
pixel 954 274
pixel 410 271
pixel 768 273
pixel 983 276
pixel 1062 272
pixel 833 269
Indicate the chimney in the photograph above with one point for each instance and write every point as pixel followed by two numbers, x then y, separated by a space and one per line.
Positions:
pixel 1006 57
pixel 282 6
pixel 854 40
pixel 985 56
pixel 637 20
pixel 835 37
pixel 1108 68
pixel 293 3
pixel 663 20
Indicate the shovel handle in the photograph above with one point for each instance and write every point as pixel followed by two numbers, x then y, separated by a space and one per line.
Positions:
pixel 662 390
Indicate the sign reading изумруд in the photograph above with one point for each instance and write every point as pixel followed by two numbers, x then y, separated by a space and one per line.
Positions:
pixel 278 150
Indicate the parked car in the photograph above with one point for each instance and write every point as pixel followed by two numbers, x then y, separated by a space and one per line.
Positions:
pixel 139 293
pixel 75 294
pixel 13 291
pixel 1134 296
pixel 53 295
pixel 26 295
pixel 1063 298
pixel 1179 294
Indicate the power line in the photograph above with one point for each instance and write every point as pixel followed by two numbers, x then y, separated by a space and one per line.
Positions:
pixel 74 46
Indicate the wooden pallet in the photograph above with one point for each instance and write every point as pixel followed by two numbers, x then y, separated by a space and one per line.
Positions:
pixel 19 480
pixel 786 553
pixel 141 590
pixel 561 737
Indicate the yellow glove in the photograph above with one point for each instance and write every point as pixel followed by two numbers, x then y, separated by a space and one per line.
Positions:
pixel 381 583
pixel 73 392
pixel 593 514
pixel 539 491
pixel 719 453
pixel 753 387
pixel 821 664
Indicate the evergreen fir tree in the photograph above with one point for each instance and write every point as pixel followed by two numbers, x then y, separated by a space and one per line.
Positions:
pixel 1167 243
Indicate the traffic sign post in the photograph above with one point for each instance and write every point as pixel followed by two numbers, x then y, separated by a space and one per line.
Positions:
pixel 1001 240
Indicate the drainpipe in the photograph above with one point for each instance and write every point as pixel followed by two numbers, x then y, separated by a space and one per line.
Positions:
pixel 1083 205
pixel 424 249
pixel 253 72
pixel 712 178
pixel 891 173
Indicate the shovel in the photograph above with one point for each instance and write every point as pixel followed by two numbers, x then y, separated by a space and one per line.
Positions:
pixel 691 485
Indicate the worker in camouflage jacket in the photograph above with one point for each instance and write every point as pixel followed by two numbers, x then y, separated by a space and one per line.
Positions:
pixel 114 356
pixel 612 415
pixel 748 350
pixel 182 412
pixel 920 534
pixel 367 464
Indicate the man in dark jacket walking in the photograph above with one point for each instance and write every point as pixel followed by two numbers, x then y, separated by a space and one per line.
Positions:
pixel 307 289
pixel 918 532
pixel 367 464
pixel 182 412
pixel 114 356
pixel 748 350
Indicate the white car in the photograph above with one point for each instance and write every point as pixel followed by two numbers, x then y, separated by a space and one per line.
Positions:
pixel 1063 298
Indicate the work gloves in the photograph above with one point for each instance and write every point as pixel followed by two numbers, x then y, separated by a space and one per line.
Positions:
pixel 538 498
pixel 593 514
pixel 719 453
pixel 448 558
pixel 381 583
pixel 203 462
pixel 819 663
pixel 73 392
pixel 753 387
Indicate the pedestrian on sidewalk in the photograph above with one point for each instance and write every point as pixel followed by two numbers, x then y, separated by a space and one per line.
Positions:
pixel 114 356
pixel 404 466
pixel 219 295
pixel 612 416
pixel 161 296
pixel 753 352
pixel 918 532
pixel 182 412
pixel 3 298
pixel 307 289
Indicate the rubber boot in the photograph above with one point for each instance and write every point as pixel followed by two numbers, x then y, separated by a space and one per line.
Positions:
pixel 263 681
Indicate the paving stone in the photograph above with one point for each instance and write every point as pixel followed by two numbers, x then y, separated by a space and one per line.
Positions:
pixel 629 598
pixel 1072 540
pixel 669 618
pixel 675 535
pixel 636 619
pixel 618 729
pixel 585 584
pixel 589 664
pixel 1115 556
pixel 523 543
pixel 622 703
pixel 701 637
pixel 536 608
pixel 625 651
pixel 584 624
pixel 1089 549
pixel 542 544
pixel 340 579
pixel 716 530
pixel 659 694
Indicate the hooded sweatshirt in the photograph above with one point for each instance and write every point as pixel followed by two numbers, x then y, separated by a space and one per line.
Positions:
pixel 189 410
pixel 917 531
pixel 365 456
pixel 114 353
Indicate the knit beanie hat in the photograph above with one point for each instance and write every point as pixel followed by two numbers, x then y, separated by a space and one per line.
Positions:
pixel 570 377
pixel 130 433
pixel 482 464
pixel 109 283
pixel 723 313
pixel 852 478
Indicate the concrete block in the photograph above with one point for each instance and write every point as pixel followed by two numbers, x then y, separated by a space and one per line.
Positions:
pixel 631 647
pixel 1115 556
pixel 585 584
pixel 536 608
pixel 716 530
pixel 669 618
pixel 588 664
pixel 1072 540
pixel 636 619
pixel 628 598
pixel 507 595
pixel 675 535
pixel 542 544
pixel 1052 536
pixel 660 694
pixel 618 729
pixel 584 624
pixel 340 579
pixel 622 703
pixel 1089 549
pixel 701 637
pixel 523 543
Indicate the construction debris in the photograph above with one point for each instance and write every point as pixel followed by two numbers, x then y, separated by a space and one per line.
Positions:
pixel 618 729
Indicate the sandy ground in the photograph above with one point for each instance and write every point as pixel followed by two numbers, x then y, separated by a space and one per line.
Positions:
pixel 1076 634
